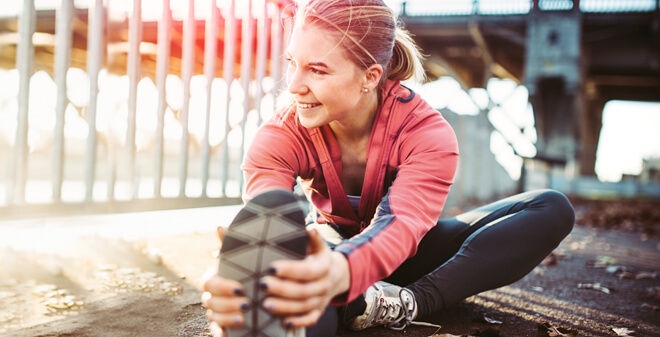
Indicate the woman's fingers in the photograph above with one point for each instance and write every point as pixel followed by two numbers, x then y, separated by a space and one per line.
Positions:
pixel 307 319
pixel 221 232
pixel 225 320
pixel 220 286
pixel 294 290
pixel 316 265
pixel 284 307
pixel 225 305
pixel 316 242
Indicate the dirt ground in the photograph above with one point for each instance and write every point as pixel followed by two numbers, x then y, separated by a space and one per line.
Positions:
pixel 74 277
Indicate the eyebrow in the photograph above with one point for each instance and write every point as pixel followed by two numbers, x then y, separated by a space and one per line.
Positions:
pixel 313 64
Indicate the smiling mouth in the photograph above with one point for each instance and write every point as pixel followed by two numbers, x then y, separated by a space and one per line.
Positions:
pixel 307 106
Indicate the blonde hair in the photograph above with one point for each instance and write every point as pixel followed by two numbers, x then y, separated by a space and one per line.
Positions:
pixel 370 34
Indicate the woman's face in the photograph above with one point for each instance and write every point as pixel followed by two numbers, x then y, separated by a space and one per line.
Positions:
pixel 326 85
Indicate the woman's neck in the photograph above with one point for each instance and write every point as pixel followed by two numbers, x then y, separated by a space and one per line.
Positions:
pixel 358 127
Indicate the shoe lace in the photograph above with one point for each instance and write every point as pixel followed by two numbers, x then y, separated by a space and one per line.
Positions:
pixel 406 306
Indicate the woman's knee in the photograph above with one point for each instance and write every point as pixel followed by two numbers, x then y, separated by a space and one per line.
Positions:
pixel 559 207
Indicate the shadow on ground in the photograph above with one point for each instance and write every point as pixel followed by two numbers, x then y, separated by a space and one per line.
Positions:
pixel 624 262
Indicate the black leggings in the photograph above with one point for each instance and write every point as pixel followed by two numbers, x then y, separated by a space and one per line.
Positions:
pixel 483 249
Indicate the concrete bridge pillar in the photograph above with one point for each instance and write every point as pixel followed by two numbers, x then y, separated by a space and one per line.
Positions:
pixel 591 122
pixel 553 76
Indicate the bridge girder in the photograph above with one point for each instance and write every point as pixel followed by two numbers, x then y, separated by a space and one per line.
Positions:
pixel 572 63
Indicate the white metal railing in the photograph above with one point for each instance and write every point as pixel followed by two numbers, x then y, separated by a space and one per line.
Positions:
pixel 259 32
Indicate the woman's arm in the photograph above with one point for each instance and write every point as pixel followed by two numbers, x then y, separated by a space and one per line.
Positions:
pixel 427 156
pixel 274 160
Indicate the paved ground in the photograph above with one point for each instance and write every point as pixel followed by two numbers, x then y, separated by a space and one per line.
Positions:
pixel 107 282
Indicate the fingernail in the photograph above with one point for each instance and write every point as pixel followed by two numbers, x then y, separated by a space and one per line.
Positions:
pixel 271 270
pixel 268 305
pixel 238 291
pixel 245 306
pixel 263 285
pixel 238 319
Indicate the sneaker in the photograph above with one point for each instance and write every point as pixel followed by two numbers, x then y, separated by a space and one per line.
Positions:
pixel 388 305
pixel 270 227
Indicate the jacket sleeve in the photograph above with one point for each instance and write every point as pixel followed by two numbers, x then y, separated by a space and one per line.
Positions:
pixel 428 156
pixel 273 160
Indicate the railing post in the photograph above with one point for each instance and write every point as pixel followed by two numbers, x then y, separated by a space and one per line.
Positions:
pixel 276 50
pixel 228 74
pixel 94 62
pixel 187 64
pixel 25 65
pixel 210 55
pixel 262 45
pixel 246 67
pixel 535 6
pixel 162 69
pixel 63 38
pixel 134 56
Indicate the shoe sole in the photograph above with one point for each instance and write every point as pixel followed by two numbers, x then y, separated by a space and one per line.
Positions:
pixel 270 227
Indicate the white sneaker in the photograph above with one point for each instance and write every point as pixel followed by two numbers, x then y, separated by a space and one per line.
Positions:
pixel 388 305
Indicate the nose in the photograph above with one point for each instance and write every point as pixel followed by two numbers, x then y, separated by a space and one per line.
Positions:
pixel 295 81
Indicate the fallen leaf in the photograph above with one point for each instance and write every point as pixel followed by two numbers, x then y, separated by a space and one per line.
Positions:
pixel 547 330
pixel 651 307
pixel 653 292
pixel 559 253
pixel 539 271
pixel 492 321
pixel 594 286
pixel 623 331
pixel 645 276
pixel 626 275
pixel 551 260
pixel 606 260
pixel 615 269
pixel 601 262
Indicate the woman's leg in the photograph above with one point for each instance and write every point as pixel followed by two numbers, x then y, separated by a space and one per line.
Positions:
pixel 485 248
pixel 326 326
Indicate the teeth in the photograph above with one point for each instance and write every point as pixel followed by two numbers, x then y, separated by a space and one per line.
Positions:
pixel 307 106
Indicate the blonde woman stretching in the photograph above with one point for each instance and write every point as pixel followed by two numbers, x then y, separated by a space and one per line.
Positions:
pixel 376 162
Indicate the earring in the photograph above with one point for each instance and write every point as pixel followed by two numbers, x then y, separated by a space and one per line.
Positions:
pixel 365 90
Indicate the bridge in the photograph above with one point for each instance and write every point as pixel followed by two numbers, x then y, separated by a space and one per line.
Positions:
pixel 572 55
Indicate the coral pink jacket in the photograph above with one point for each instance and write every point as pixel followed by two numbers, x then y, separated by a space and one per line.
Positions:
pixel 411 161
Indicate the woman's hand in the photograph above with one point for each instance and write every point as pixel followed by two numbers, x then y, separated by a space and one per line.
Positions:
pixel 224 299
pixel 300 290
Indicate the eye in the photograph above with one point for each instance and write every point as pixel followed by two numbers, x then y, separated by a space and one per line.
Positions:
pixel 318 71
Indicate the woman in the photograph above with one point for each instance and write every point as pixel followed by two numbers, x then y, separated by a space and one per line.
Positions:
pixel 376 162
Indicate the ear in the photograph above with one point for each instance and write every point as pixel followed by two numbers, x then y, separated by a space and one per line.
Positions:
pixel 372 77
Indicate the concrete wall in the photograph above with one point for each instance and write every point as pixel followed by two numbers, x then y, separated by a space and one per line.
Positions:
pixel 479 176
